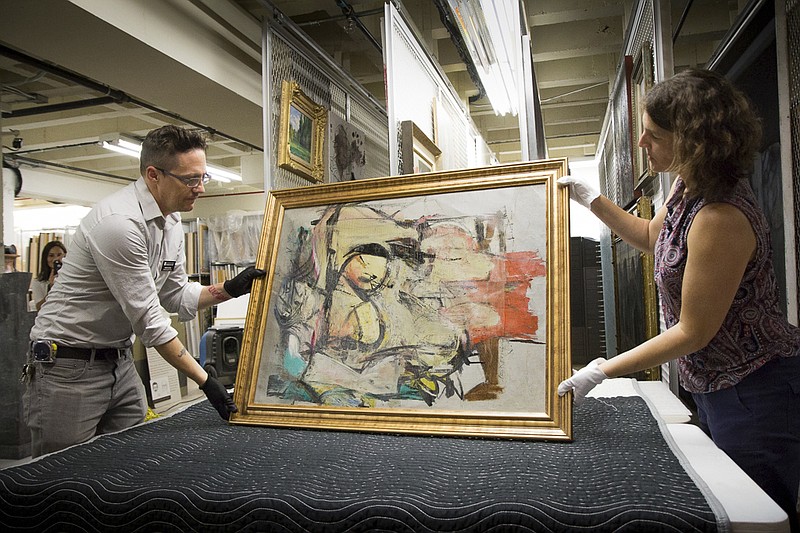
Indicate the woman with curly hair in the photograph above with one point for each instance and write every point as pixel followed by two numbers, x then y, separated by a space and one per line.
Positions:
pixel 737 353
pixel 52 255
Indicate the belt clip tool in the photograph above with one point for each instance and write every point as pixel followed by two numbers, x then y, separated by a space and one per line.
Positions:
pixel 44 351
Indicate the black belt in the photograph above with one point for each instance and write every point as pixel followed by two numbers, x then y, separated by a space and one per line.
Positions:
pixel 67 352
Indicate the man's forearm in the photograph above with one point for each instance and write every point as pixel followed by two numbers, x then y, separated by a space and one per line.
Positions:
pixel 176 354
pixel 212 295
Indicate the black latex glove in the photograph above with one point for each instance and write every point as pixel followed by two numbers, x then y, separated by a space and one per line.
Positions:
pixel 243 281
pixel 218 396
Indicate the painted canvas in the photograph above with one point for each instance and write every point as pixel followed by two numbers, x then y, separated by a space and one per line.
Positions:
pixel 301 133
pixel 412 298
pixel 346 151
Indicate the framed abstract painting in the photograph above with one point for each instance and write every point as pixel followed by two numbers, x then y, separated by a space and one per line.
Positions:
pixel 302 133
pixel 427 304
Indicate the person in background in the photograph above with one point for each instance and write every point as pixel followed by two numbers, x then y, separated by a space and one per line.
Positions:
pixel 10 257
pixel 737 353
pixel 126 262
pixel 50 263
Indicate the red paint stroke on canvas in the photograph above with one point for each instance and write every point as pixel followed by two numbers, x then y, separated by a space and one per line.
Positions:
pixel 505 292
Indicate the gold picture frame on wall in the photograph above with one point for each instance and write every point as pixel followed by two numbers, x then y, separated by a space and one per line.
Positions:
pixel 425 304
pixel 301 135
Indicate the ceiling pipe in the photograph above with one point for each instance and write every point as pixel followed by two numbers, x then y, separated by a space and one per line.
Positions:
pixel 39 163
pixel 58 71
pixel 65 106
pixel 115 94
pixel 360 14
pixel 351 15
pixel 291 32
pixel 679 25
pixel 30 97
pixel 57 147
pixel 446 16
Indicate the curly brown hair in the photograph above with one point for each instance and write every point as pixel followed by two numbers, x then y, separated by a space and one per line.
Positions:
pixel 716 131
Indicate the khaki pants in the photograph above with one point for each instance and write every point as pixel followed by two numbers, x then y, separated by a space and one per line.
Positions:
pixel 71 400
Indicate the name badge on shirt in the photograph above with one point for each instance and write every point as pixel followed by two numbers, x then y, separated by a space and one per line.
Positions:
pixel 168 266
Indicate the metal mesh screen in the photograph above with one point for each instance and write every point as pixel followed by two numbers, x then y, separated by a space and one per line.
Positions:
pixel 376 132
pixel 643 52
pixel 615 154
pixel 608 167
pixel 289 64
pixel 617 177
pixel 374 125
pixel 417 105
pixel 643 31
pixel 428 104
pixel 338 101
pixel 793 50
pixel 409 71
pixel 454 144
pixel 481 154
pixel 623 151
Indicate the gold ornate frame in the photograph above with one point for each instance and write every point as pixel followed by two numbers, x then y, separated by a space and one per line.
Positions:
pixel 291 157
pixel 539 217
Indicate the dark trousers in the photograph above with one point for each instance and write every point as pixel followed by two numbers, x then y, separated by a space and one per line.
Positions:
pixel 757 423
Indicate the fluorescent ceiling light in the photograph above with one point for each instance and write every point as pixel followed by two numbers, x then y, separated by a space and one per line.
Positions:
pixel 121 146
pixel 134 149
pixel 222 174
pixel 492 33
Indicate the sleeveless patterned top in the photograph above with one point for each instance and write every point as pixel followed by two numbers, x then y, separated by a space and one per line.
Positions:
pixel 754 330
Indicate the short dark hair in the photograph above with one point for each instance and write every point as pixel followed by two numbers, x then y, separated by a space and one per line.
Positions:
pixel 716 131
pixel 162 144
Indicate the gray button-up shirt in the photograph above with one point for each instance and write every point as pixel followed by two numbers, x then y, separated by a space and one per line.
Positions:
pixel 125 262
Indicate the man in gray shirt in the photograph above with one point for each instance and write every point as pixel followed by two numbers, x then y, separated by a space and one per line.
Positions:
pixel 126 262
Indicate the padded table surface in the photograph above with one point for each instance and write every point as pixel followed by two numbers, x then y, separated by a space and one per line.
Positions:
pixel 748 508
pixel 190 472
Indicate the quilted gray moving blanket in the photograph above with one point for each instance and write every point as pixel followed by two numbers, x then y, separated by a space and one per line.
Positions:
pixel 190 472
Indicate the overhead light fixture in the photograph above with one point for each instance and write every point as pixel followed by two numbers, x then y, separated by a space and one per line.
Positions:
pixel 492 32
pixel 222 174
pixel 134 149
pixel 123 146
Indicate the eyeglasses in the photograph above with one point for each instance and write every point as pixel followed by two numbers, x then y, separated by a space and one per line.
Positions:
pixel 191 182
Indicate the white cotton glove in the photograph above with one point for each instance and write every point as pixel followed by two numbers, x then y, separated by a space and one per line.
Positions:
pixel 583 381
pixel 580 190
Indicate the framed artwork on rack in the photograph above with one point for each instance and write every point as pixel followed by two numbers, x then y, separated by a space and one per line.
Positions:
pixel 419 153
pixel 624 143
pixel 347 156
pixel 427 304
pixel 637 300
pixel 642 82
pixel 302 133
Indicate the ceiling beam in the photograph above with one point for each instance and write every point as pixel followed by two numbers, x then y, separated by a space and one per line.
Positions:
pixel 226 80
pixel 590 10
